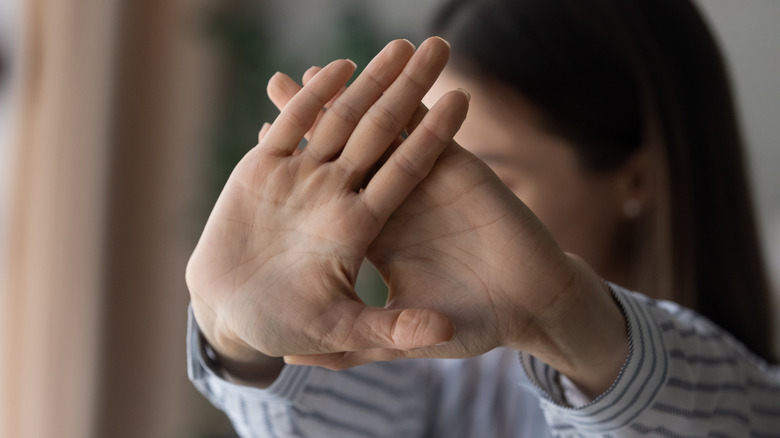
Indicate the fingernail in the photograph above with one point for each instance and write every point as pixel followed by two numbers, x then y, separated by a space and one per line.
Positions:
pixel 352 62
pixel 410 43
pixel 445 41
pixel 464 91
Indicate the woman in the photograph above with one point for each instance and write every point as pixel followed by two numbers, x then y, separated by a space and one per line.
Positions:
pixel 641 81
pixel 594 116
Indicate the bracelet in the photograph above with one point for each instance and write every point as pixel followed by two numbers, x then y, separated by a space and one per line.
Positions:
pixel 210 357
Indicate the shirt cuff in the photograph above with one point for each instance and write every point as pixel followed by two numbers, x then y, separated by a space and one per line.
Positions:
pixel 216 388
pixel 641 377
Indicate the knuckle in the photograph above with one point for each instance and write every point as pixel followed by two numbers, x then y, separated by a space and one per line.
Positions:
pixel 316 95
pixel 410 327
pixel 385 119
pixel 436 131
pixel 373 214
pixel 347 164
pixel 409 165
pixel 375 81
pixel 296 120
pixel 346 112
pixel 414 82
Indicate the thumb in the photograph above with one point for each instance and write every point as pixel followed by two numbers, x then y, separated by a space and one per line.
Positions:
pixel 362 327
pixel 415 328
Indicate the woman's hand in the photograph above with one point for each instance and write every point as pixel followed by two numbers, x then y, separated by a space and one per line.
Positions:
pixel 464 245
pixel 274 271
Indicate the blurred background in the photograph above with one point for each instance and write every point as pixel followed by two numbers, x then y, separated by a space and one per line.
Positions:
pixel 119 122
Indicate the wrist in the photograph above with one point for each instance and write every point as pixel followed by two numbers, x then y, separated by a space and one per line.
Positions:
pixel 584 334
pixel 234 360
pixel 258 370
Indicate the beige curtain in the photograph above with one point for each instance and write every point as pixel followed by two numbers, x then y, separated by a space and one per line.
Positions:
pixel 115 108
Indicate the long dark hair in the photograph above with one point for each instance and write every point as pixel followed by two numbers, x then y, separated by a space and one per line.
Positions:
pixel 605 75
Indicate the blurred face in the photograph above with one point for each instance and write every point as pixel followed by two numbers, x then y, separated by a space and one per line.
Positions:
pixel 579 208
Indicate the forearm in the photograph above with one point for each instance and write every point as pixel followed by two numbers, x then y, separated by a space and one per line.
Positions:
pixel 583 334
pixel 684 377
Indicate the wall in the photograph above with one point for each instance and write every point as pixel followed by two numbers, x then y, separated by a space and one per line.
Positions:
pixel 749 34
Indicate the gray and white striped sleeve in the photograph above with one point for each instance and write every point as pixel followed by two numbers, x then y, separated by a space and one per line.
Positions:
pixel 377 400
pixel 453 398
pixel 684 377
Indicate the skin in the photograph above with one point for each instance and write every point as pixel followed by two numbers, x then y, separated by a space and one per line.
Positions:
pixel 581 209
pixel 469 266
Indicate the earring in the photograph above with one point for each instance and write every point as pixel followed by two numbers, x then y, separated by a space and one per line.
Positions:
pixel 632 208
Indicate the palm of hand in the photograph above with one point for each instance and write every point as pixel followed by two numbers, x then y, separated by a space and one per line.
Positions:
pixel 433 253
pixel 252 245
pixel 275 268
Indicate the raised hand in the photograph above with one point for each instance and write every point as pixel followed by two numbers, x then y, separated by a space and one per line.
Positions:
pixel 274 271
pixel 464 245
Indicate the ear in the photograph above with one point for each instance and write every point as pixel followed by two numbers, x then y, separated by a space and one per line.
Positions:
pixel 637 184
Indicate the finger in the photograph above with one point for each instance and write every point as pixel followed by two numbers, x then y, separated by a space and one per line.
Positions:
pixel 281 89
pixel 344 360
pixel 349 359
pixel 340 120
pixel 410 127
pixel 417 117
pixel 310 73
pixel 415 157
pixel 385 120
pixel 353 326
pixel 301 111
pixel 263 131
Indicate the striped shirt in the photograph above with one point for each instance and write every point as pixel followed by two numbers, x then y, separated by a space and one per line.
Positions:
pixel 683 377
